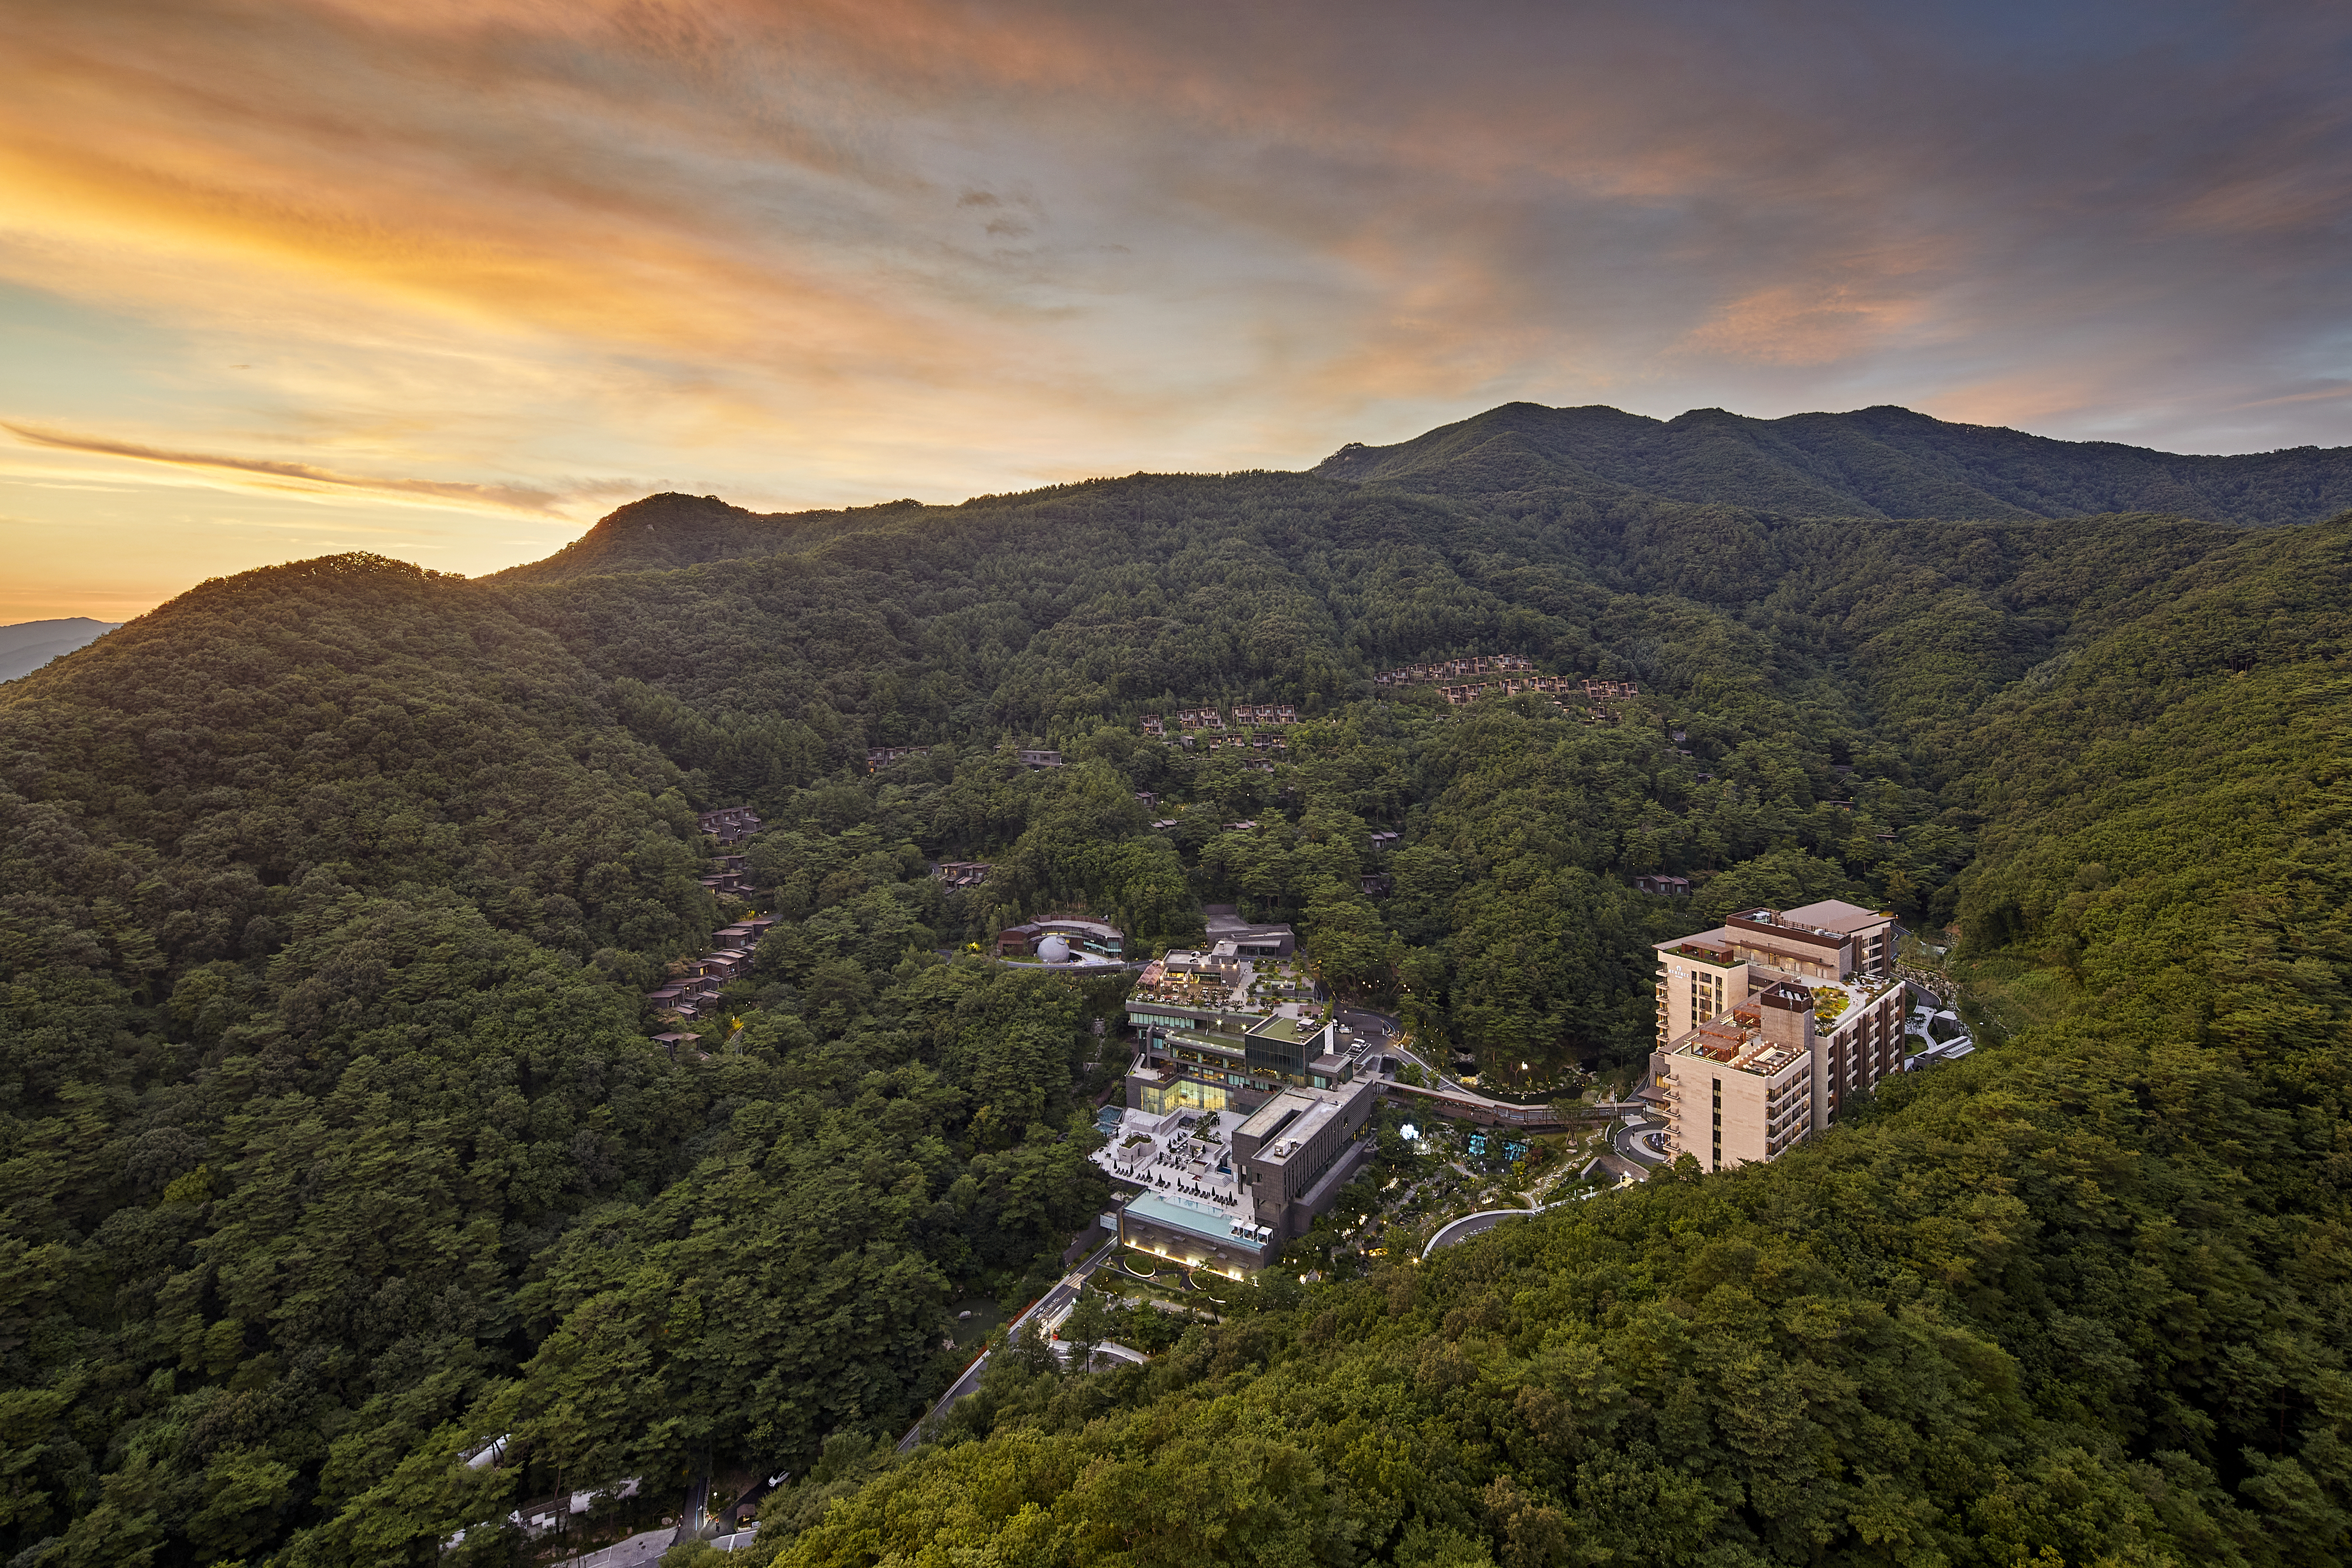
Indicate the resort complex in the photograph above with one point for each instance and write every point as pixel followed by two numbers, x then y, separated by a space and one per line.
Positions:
pixel 1248 1106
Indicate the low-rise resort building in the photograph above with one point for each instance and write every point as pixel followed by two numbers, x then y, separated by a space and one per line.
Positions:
pixel 1248 1107
pixel 1059 939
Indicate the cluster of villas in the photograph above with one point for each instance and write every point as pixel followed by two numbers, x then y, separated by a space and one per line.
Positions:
pixel 1453 670
pixel 695 983
pixel 1600 705
pixel 1245 716
pixel 1769 1025
pixel 1466 693
pixel 1460 682
pixel 730 825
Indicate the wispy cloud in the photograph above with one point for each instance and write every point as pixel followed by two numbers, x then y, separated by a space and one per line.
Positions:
pixel 309 479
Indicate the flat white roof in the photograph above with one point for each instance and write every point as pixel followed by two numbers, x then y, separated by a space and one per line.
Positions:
pixel 1265 1115
pixel 1282 1144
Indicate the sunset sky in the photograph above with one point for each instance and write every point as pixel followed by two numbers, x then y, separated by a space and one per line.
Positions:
pixel 449 280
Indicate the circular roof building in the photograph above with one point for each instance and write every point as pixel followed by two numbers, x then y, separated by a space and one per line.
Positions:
pixel 1053 950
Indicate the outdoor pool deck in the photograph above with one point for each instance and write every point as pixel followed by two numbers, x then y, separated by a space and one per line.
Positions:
pixel 1179 1164
pixel 1183 1214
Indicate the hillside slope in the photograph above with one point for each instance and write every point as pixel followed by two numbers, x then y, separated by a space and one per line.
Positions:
pixel 2079 1299
pixel 1875 463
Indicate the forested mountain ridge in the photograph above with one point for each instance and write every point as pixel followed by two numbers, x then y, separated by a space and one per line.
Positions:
pixel 1880 462
pixel 666 532
pixel 336 1142
pixel 1588 468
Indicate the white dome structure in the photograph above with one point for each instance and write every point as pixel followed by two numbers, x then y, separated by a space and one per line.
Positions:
pixel 1053 950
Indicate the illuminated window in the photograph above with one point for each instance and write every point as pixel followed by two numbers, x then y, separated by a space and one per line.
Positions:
pixel 1184 1095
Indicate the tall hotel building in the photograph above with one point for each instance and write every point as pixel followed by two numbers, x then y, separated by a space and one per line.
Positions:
pixel 1769 1023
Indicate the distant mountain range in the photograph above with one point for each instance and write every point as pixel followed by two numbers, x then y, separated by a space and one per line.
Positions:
pixel 1879 462
pixel 1876 463
pixel 28 644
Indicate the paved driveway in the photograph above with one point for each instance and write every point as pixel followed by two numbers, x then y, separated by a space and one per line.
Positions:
pixel 1049 1306
pixel 633 1553
pixel 1632 1142
pixel 1471 1225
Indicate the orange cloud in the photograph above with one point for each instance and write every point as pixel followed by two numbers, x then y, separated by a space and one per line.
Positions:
pixel 1790 324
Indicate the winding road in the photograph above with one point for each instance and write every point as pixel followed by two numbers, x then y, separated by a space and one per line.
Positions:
pixel 1050 1304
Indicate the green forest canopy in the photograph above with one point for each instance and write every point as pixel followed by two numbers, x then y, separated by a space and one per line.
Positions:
pixel 336 1141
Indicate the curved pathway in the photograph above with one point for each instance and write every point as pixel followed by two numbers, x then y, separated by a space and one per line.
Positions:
pixel 1469 1225
pixel 1454 1096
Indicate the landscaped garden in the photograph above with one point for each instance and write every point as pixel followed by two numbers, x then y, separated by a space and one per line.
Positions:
pixel 1213 1285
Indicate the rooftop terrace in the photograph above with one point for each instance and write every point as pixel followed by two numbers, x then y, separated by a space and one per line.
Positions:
pixel 1739 1045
